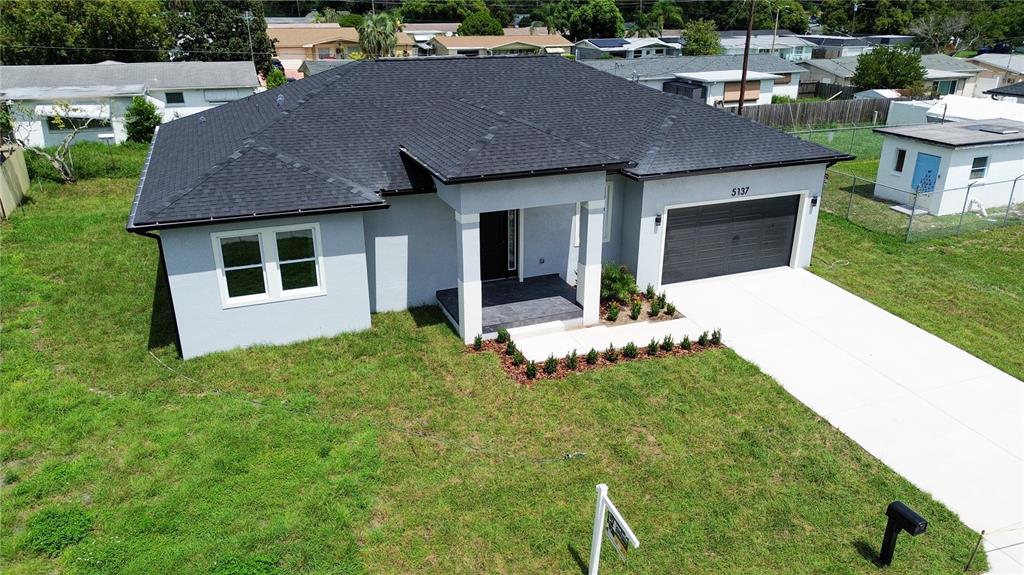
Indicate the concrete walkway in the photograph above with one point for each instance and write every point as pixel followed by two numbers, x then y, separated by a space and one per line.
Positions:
pixel 947 421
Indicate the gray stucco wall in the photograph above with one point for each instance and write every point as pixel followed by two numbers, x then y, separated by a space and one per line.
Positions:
pixel 205 326
pixel 547 235
pixel 632 197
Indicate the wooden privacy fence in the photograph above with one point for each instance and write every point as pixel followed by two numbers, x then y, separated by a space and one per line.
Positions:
pixel 826 91
pixel 13 179
pixel 819 113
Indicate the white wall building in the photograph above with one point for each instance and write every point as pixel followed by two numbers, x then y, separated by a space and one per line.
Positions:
pixel 100 93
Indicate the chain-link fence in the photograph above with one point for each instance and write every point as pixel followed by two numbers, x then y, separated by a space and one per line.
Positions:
pixel 860 141
pixel 915 216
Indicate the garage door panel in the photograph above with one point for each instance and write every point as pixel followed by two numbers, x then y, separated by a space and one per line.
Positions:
pixel 727 238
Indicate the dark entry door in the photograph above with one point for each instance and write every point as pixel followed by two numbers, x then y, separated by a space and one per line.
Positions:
pixel 728 238
pixel 498 245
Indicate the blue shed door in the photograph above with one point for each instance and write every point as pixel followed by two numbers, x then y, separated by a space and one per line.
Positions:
pixel 926 170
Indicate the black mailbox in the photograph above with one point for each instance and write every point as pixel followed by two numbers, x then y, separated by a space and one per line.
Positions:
pixel 901 518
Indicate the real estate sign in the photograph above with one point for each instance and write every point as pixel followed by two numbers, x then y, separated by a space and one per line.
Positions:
pixel 608 520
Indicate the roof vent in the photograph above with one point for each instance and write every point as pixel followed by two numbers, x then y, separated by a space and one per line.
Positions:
pixel 202 119
pixel 997 129
pixel 280 99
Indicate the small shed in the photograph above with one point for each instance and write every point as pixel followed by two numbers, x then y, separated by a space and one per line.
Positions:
pixel 953 166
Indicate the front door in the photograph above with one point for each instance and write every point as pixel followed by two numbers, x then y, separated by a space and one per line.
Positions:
pixel 926 171
pixel 498 244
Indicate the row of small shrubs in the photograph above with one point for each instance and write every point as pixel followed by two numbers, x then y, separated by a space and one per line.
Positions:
pixel 620 287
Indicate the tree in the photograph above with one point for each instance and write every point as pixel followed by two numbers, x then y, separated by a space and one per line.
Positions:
pixel 668 14
pixel 645 26
pixel 220 30
pixel 343 19
pixel 82 32
pixel 791 14
pixel 377 35
pixel 439 10
pixel 554 17
pixel 596 19
pixel 940 32
pixel 66 118
pixel 276 78
pixel 700 38
pixel 141 119
pixel 480 23
pixel 889 67
pixel 502 11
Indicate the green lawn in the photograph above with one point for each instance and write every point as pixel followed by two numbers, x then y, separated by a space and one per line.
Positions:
pixel 968 290
pixel 394 450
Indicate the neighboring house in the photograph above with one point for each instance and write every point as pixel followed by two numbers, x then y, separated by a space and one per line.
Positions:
pixel 998 70
pixel 100 93
pixel 889 40
pixel 878 94
pixel 827 47
pixel 627 48
pixel 1008 93
pixel 714 80
pixel 943 74
pixel 296 43
pixel 276 226
pixel 310 67
pixel 422 33
pixel 500 45
pixel 953 166
pixel 784 44
pixel 952 109
pixel 525 31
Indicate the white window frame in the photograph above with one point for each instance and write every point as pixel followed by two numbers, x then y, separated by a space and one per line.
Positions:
pixel 271 266
pixel 984 169
pixel 167 98
pixel 896 167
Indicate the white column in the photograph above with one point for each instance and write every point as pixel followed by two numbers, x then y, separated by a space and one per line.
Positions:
pixel 467 234
pixel 588 273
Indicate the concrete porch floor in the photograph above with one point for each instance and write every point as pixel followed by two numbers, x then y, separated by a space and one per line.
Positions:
pixel 512 303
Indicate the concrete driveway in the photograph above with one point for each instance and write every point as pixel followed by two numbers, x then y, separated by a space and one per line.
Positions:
pixel 947 421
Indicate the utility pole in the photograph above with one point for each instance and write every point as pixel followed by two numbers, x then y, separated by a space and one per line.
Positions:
pixel 746 59
pixel 247 17
pixel 775 32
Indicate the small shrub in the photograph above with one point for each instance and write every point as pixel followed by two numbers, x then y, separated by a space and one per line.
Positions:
pixel 668 343
pixel 592 356
pixel 613 312
pixel 662 300
pixel 649 292
pixel 617 284
pixel 276 78
pixel 478 343
pixel 635 309
pixel 572 361
pixel 54 528
pixel 703 339
pixel 141 119
pixel 686 343
pixel 655 310
pixel 652 347
pixel 611 354
pixel 630 351
pixel 518 358
pixel 531 370
pixel 503 336
pixel 550 365
pixel 670 309
pixel 511 350
pixel 716 337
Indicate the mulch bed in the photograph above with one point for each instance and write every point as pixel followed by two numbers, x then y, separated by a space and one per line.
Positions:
pixel 645 313
pixel 518 372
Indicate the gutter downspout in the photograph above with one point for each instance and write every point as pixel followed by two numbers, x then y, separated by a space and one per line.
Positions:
pixel 163 271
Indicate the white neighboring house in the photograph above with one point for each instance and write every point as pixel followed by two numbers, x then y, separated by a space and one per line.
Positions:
pixel 878 94
pixel 101 93
pixel 784 44
pixel 956 165
pixel 837 46
pixel 714 80
pixel 627 48
pixel 943 74
pixel 953 109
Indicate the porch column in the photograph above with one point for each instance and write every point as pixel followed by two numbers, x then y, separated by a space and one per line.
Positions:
pixel 467 234
pixel 588 272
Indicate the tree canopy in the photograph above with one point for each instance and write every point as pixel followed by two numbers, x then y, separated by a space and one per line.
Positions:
pixel 220 30
pixel 701 39
pixel 439 10
pixel 377 35
pixel 889 67
pixel 596 19
pixel 480 23
pixel 82 32
pixel 344 19
pixel 141 119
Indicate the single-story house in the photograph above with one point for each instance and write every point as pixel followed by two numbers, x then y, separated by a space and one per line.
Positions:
pixel 903 40
pixel 310 67
pixel 295 43
pixel 827 47
pixel 943 74
pixel 422 33
pixel 714 80
pixel 952 166
pixel 1008 93
pixel 627 48
pixel 783 44
pixel 998 69
pixel 473 188
pixel 952 109
pixel 100 93
pixel 500 45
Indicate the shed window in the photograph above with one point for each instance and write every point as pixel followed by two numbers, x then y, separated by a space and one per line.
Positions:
pixel 978 167
pixel 901 158
pixel 175 97
pixel 269 264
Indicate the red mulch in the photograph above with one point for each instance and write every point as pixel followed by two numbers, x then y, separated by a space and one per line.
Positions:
pixel 518 372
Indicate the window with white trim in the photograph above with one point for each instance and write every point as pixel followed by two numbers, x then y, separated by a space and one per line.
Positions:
pixel 269 264
pixel 901 158
pixel 978 167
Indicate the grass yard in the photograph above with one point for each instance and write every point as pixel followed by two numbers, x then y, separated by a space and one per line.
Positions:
pixel 394 451
pixel 968 290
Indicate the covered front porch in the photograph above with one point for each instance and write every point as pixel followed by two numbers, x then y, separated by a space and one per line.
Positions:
pixel 511 303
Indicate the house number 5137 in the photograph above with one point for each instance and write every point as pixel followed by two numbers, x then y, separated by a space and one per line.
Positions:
pixel 740 191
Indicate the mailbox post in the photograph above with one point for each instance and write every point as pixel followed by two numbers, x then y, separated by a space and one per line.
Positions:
pixel 901 518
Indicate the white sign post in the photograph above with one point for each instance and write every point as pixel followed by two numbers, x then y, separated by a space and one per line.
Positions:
pixel 608 520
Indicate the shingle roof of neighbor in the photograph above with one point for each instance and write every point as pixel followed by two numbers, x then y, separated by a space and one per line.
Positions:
pixel 153 75
pixel 1008 90
pixel 345 137
pixel 845 66
pixel 961 134
pixel 667 66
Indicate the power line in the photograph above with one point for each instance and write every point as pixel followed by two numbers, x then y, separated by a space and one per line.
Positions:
pixel 94 49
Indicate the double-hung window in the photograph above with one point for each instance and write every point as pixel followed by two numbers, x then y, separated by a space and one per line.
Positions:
pixel 269 264
pixel 978 167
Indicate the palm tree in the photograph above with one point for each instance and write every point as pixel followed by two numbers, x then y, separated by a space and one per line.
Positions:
pixel 667 13
pixel 553 17
pixel 645 26
pixel 377 35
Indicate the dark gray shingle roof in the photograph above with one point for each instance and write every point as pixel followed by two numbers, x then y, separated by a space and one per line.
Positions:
pixel 666 66
pixel 335 140
pixel 1008 90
